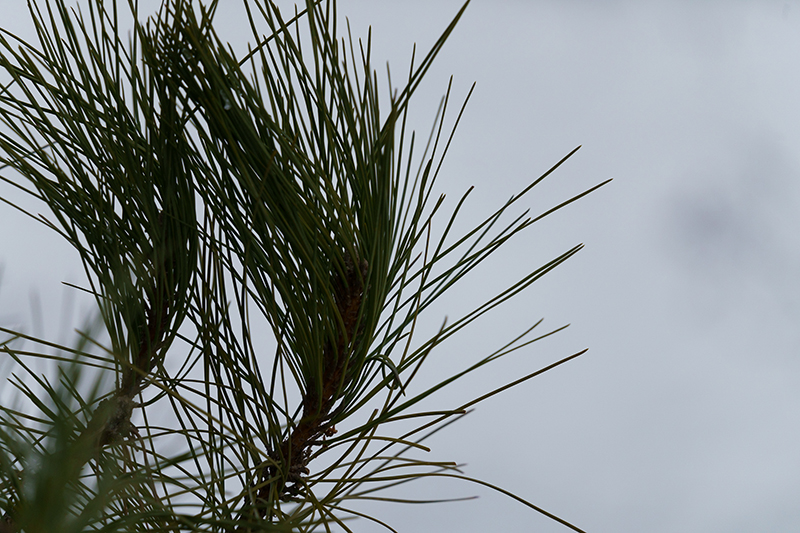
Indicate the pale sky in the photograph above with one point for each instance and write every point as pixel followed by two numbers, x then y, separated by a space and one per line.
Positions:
pixel 684 416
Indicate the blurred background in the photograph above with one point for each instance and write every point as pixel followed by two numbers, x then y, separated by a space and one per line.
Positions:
pixel 684 415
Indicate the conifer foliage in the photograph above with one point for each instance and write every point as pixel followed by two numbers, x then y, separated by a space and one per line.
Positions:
pixel 215 200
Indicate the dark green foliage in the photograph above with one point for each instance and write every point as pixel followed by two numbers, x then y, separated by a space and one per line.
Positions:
pixel 209 196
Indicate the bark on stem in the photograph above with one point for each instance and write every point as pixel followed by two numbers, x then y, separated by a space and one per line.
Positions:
pixel 318 403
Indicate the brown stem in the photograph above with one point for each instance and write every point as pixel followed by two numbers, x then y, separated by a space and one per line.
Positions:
pixel 318 403
pixel 150 335
pixel 7 525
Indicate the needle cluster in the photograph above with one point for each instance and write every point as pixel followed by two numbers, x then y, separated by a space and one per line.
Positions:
pixel 260 236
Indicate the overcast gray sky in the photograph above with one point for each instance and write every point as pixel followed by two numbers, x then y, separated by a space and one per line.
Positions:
pixel 684 416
